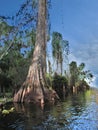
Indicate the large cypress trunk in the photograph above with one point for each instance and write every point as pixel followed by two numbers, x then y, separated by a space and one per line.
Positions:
pixel 34 88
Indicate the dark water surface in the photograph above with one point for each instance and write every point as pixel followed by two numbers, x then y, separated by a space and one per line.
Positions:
pixel 77 112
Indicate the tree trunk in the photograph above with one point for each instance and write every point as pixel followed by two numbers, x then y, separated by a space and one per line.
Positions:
pixel 34 88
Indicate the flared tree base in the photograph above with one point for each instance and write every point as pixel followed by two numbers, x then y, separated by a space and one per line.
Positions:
pixel 35 95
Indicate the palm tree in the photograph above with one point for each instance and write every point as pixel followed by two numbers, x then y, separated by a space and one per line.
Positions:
pixel 74 73
pixel 57 50
pixel 60 51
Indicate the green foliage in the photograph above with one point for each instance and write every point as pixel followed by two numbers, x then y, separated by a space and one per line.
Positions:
pixel 14 67
pixel 59 83
pixel 83 85
pixel 15 56
pixel 5 81
pixel 81 67
pixel 65 47
pixel 74 73
pixel 18 67
pixel 6 112
pixel 59 80
pixel 56 39
pixel 5 29
pixel 60 50
pixel 78 75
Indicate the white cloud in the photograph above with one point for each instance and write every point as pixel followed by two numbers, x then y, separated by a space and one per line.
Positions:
pixel 87 53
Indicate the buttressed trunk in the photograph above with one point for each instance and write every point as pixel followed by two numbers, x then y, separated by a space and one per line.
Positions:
pixel 34 88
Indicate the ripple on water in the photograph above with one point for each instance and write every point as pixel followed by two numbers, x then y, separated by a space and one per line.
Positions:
pixel 77 112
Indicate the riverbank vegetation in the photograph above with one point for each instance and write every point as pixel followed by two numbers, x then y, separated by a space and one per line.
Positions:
pixel 34 65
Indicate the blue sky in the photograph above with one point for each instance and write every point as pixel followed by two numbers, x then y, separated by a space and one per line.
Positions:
pixel 77 20
pixel 9 7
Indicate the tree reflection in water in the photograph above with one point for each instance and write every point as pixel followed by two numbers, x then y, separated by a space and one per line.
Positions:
pixel 77 111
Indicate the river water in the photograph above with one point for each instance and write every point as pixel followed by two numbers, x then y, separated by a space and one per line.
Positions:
pixel 76 112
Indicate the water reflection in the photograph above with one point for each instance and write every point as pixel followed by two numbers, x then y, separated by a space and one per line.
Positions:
pixel 76 112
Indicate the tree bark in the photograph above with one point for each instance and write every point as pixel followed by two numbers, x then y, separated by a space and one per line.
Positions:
pixel 34 88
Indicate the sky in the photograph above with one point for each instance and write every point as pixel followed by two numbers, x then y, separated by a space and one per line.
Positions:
pixel 77 21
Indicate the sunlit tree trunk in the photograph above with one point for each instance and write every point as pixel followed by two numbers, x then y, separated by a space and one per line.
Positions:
pixel 34 88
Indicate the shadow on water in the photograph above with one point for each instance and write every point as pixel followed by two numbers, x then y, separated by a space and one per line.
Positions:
pixel 76 112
